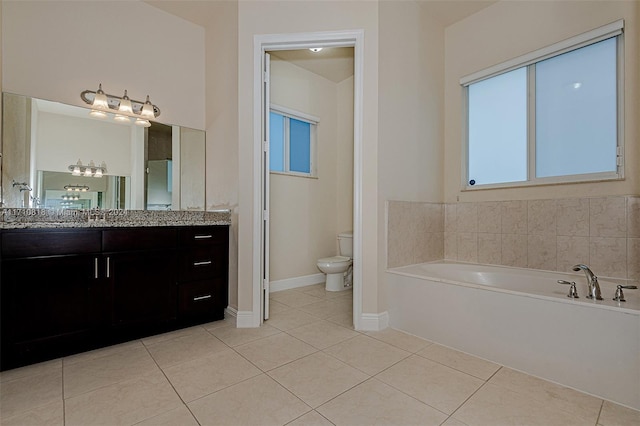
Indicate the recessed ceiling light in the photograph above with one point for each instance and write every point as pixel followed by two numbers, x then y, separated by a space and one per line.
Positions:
pixel 315 49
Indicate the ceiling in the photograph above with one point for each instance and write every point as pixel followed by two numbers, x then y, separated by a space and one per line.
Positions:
pixel 448 12
pixel 333 63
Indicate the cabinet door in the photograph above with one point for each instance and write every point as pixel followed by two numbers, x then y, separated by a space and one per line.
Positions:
pixel 46 302
pixel 144 286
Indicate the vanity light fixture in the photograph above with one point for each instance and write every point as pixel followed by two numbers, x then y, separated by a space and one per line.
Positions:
pixel 76 188
pixel 71 197
pixel 90 170
pixel 124 107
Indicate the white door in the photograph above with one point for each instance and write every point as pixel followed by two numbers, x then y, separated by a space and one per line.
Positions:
pixel 266 67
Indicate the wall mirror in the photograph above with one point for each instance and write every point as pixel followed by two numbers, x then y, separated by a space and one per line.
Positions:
pixel 161 167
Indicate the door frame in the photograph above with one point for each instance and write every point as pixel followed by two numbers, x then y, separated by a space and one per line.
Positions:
pixel 269 42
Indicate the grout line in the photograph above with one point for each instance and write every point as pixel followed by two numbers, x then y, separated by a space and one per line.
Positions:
pixel 599 413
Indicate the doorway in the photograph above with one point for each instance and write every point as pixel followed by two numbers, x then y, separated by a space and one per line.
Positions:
pixel 310 185
pixel 262 45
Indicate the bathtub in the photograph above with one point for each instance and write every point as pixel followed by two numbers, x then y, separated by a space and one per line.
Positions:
pixel 523 319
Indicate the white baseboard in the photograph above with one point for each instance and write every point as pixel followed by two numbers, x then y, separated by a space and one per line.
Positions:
pixel 296 282
pixel 244 319
pixel 374 322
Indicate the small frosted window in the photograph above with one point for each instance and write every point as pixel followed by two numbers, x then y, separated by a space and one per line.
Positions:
pixel 576 124
pixel 498 129
pixel 299 146
pixel 276 142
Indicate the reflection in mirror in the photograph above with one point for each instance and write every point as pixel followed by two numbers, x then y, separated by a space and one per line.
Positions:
pixel 160 167
pixel 58 190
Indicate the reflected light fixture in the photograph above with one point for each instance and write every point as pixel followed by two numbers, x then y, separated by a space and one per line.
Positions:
pixel 124 108
pixel 90 170
pixel 76 188
pixel 315 49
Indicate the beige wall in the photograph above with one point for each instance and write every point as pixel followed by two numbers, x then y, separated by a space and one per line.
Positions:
pixel 55 49
pixel 411 115
pixel 509 29
pixel 222 176
pixel 267 17
pixel 344 182
pixel 304 211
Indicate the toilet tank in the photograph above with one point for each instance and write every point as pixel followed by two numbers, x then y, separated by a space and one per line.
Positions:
pixel 345 243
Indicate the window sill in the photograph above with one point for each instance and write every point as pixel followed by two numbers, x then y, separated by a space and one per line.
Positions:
pixel 542 182
pixel 298 175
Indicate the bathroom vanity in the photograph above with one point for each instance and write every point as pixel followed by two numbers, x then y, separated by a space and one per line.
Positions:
pixel 67 288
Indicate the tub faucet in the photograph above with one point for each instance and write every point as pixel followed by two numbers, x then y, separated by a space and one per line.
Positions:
pixel 592 282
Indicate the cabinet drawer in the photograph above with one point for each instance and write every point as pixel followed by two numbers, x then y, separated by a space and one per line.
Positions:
pixel 203 262
pixel 199 236
pixel 138 239
pixel 200 299
pixel 49 243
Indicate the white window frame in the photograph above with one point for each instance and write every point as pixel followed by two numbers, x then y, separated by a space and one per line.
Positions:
pixel 313 153
pixel 614 29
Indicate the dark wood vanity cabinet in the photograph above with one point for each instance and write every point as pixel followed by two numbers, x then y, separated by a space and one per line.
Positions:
pixel 67 290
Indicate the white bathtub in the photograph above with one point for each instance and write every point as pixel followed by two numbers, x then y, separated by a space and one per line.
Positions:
pixel 521 318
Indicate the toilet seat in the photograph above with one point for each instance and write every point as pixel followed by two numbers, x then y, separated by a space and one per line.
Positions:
pixel 334 259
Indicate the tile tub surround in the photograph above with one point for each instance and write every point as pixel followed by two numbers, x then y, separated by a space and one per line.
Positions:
pixel 602 232
pixel 11 218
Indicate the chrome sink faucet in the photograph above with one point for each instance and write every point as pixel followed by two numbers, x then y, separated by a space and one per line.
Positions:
pixel 592 282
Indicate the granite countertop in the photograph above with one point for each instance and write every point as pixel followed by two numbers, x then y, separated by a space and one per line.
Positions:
pixel 49 218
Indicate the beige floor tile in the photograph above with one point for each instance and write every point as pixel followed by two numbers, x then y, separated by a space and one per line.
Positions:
pixel 322 334
pixel 180 416
pixel 469 364
pixel 367 354
pixel 317 378
pixel 51 414
pixel 124 403
pixel 274 351
pixel 551 394
pixel 344 319
pixel 220 323
pixel 202 376
pixel 494 405
pixel 312 418
pixel 277 307
pixel 435 384
pixel 318 290
pixel 31 370
pixel 101 352
pixel 617 415
pixel 327 308
pixel 185 348
pixel 400 339
pixel 375 403
pixel 30 392
pixel 233 336
pixel 163 337
pixel 453 422
pixel 294 298
pixel 291 318
pixel 94 373
pixel 259 401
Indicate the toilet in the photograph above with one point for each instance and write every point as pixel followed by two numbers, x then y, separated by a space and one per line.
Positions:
pixel 337 267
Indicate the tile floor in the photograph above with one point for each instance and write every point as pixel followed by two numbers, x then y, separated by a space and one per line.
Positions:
pixel 305 366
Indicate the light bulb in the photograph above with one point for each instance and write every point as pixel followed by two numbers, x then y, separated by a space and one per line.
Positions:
pixel 76 169
pixel 98 173
pixel 100 100
pixel 147 111
pixel 142 123
pixel 125 105
pixel 98 114
pixel 315 49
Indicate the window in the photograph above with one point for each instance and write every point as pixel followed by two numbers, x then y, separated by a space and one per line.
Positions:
pixel 550 116
pixel 292 137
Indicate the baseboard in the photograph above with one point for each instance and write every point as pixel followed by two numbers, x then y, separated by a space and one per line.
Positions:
pixel 231 314
pixel 289 283
pixel 244 319
pixel 374 322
